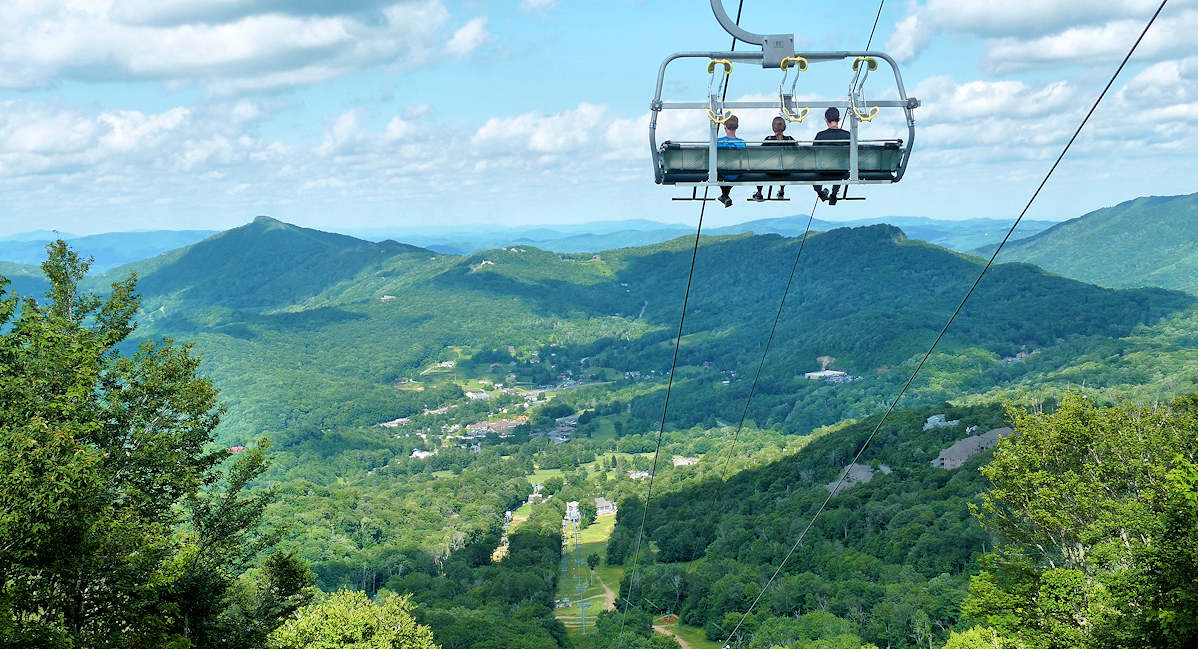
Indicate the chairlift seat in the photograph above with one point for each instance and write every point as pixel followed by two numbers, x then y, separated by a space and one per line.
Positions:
pixel 804 163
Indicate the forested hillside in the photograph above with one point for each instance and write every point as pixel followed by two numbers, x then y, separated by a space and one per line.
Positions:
pixel 429 416
pixel 884 553
pixel 1086 536
pixel 1143 242
pixel 26 280
pixel 347 317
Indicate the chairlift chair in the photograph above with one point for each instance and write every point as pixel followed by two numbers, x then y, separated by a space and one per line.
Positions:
pixel 852 162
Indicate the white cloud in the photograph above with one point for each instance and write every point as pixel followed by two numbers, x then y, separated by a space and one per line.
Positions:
pixel 537 5
pixel 176 12
pixel 125 153
pixel 562 132
pixel 1170 37
pixel 1019 32
pixel 415 112
pixel 343 133
pixel 1165 82
pixel 228 46
pixel 910 36
pixel 468 38
pixel 946 101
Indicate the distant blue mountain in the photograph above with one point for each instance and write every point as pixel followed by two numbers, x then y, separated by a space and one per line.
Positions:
pixel 38 235
pixel 119 248
pixel 109 250
pixel 597 236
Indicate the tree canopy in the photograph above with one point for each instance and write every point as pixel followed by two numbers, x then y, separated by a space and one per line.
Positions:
pixel 120 522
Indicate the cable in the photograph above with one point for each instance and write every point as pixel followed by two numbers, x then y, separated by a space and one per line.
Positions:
pixel 768 341
pixel 753 389
pixel 950 320
pixel 665 407
pixel 875 27
pixel 661 429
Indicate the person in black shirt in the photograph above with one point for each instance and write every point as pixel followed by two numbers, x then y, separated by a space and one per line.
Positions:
pixel 837 136
pixel 779 138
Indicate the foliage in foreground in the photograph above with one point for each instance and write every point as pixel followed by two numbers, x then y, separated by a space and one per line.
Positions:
pixel 349 620
pixel 1099 510
pixel 119 526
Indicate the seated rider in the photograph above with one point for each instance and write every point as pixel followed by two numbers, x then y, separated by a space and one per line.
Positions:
pixel 729 141
pixel 779 138
pixel 835 136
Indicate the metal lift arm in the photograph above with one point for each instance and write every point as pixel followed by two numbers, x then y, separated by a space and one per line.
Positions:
pixel 774 47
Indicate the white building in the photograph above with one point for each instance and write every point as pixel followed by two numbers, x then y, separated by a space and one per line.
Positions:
pixel 938 421
pixel 825 375
pixel 603 507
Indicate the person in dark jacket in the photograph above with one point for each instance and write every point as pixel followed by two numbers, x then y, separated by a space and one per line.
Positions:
pixel 779 138
pixel 834 136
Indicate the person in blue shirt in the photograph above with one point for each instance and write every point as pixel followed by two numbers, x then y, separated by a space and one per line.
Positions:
pixel 729 141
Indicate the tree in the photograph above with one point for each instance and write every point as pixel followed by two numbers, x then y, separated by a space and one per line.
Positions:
pixel 119 525
pixel 1097 508
pixel 976 638
pixel 553 485
pixel 349 620
pixel 593 560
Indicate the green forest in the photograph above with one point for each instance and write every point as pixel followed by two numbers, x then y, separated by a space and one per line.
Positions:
pixel 280 437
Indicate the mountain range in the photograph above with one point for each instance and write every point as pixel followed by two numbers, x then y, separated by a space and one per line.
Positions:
pixel 961 235
pixel 1150 241
pixel 107 250
pixel 351 354
pixel 305 329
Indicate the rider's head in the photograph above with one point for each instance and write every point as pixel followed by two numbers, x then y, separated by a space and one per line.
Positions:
pixel 779 125
pixel 732 124
pixel 832 116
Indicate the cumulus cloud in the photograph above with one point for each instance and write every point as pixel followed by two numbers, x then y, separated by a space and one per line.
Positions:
pixel 944 100
pixel 41 142
pixel 1170 37
pixel 468 38
pixel 229 46
pixel 177 12
pixel 559 133
pixel 537 5
pixel 1017 33
pixel 1162 83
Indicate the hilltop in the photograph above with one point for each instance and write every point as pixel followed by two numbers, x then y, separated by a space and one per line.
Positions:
pixel 305 329
pixel 1151 241
pixel 263 264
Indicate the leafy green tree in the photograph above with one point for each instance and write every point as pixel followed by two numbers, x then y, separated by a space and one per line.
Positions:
pixel 1096 507
pixel 118 525
pixel 350 620
pixel 976 638
pixel 593 560
pixel 553 485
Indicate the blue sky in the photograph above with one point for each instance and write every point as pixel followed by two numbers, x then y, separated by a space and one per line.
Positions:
pixel 146 114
